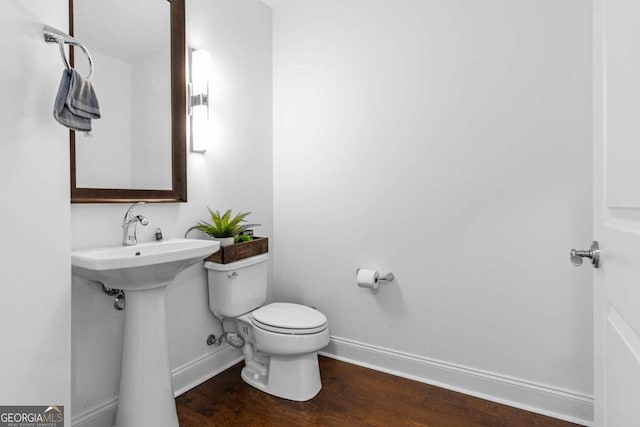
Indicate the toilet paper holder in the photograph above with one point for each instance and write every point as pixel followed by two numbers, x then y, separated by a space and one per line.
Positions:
pixel 389 277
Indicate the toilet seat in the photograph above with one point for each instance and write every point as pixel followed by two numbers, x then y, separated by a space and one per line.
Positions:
pixel 286 318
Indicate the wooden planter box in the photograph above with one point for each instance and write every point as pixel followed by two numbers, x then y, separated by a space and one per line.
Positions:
pixel 238 251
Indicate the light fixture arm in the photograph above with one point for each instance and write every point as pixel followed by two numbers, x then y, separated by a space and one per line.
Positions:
pixel 199 99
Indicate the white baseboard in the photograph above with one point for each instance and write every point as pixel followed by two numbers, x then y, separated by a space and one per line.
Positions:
pixel 538 398
pixel 194 373
pixel 184 378
pixel 100 415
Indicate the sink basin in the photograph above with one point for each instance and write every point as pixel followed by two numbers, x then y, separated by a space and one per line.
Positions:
pixel 143 266
pixel 144 271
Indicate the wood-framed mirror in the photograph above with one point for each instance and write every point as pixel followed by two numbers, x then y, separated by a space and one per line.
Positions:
pixel 163 134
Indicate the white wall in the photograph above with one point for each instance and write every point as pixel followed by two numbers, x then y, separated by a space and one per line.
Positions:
pixel 34 182
pixel 236 172
pixel 448 142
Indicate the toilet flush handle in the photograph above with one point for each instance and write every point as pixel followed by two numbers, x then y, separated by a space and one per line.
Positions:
pixel 233 275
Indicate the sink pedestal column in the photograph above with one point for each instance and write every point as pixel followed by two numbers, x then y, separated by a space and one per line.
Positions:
pixel 146 395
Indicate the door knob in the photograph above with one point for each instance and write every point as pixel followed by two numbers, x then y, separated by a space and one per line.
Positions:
pixel 593 253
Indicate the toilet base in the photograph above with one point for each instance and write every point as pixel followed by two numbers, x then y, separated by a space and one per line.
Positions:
pixel 289 377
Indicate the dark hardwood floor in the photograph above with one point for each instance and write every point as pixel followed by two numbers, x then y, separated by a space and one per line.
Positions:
pixel 351 396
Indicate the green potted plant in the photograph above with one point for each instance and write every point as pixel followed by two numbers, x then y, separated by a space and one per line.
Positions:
pixel 225 228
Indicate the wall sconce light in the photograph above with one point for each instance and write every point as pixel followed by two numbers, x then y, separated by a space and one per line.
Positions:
pixel 200 70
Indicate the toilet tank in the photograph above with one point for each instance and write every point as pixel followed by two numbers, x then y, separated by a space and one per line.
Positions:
pixel 238 287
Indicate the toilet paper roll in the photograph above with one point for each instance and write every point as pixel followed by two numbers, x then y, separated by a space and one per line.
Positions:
pixel 367 278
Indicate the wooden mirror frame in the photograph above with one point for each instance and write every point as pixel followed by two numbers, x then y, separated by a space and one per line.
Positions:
pixel 178 192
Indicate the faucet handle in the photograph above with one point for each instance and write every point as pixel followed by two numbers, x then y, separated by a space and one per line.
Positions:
pixel 142 219
pixel 129 214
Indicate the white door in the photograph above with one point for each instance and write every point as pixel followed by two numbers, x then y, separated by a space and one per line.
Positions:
pixel 617 212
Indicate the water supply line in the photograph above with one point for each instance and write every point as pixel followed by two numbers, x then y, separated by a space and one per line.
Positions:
pixel 232 338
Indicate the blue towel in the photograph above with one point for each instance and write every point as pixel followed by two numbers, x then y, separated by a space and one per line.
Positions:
pixel 82 100
pixel 76 102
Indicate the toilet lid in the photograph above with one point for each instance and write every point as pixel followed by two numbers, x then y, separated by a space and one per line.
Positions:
pixel 289 318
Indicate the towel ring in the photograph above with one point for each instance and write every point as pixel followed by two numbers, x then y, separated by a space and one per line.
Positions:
pixel 52 35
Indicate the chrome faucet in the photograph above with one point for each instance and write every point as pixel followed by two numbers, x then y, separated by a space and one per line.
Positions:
pixel 129 225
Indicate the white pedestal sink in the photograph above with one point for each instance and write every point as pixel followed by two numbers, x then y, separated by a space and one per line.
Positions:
pixel 143 271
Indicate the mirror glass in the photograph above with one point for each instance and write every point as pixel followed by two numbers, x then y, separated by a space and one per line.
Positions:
pixel 132 147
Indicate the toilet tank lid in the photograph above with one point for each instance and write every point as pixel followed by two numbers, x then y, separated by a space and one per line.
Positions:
pixel 290 316
pixel 236 264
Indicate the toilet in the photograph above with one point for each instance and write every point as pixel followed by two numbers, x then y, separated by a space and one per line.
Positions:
pixel 281 340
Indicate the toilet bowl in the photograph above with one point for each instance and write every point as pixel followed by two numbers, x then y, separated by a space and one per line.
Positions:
pixel 285 361
pixel 281 340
